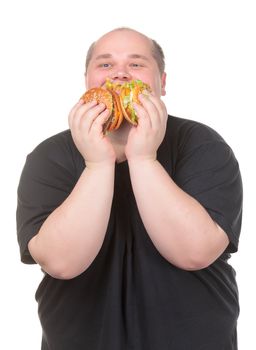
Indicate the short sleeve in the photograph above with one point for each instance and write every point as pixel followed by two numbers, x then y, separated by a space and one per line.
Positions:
pixel 46 181
pixel 208 170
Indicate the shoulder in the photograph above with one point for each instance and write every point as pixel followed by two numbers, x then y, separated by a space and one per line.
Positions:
pixel 58 151
pixel 61 142
pixel 190 136
pixel 191 130
pixel 198 146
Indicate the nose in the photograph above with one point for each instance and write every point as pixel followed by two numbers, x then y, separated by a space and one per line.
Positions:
pixel 121 74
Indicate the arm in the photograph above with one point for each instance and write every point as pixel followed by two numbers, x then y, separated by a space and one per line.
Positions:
pixel 180 228
pixel 72 235
pixel 178 225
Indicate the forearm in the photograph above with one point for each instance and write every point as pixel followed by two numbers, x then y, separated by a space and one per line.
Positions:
pixel 73 234
pixel 180 228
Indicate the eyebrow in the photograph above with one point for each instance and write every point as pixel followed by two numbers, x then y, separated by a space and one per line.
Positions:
pixel 134 55
pixel 104 55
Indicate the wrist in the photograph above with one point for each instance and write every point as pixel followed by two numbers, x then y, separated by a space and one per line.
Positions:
pixel 107 164
pixel 141 164
pixel 141 160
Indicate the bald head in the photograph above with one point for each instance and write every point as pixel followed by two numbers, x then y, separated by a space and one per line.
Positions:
pixel 157 51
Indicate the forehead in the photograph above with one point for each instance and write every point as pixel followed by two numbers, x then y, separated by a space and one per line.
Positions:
pixel 123 42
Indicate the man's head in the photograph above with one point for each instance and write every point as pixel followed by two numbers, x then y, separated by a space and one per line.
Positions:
pixel 125 54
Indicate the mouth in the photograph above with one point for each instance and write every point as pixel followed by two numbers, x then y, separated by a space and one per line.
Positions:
pixel 108 82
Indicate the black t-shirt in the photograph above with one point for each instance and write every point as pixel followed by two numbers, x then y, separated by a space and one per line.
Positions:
pixel 130 297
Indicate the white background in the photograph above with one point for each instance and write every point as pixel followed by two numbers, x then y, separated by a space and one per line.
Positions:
pixel 210 55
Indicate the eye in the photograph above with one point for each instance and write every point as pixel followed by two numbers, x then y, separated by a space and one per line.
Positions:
pixel 135 65
pixel 105 65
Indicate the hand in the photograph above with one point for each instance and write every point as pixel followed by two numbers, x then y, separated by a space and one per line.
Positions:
pixel 86 122
pixel 144 139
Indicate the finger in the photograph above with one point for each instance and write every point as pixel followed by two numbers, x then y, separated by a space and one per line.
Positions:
pixel 155 108
pixel 88 118
pixel 159 104
pixel 79 109
pixel 150 108
pixel 99 121
pixel 85 108
pixel 143 117
pixel 73 111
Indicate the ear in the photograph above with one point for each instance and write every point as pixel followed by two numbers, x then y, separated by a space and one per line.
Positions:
pixel 163 84
pixel 85 80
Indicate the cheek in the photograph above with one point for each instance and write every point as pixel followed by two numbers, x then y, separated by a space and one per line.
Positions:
pixel 153 80
pixel 92 82
pixel 145 78
pixel 88 81
pixel 158 87
pixel 95 78
pixel 155 87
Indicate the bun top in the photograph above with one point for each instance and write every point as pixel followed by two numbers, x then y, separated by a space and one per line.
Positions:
pixel 99 95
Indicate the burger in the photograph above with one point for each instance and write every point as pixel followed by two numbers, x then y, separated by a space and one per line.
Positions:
pixel 112 101
pixel 119 99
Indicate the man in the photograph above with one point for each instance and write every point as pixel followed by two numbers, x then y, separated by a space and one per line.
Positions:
pixel 134 228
